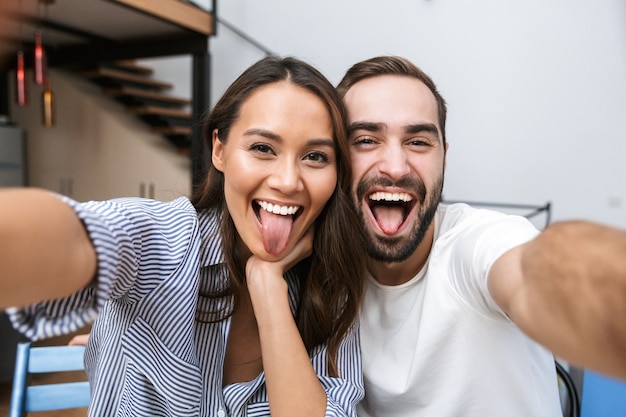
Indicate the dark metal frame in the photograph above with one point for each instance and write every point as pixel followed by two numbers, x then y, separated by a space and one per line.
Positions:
pixel 535 209
pixel 572 408
pixel 4 92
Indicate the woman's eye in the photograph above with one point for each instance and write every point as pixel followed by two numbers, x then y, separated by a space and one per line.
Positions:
pixel 319 157
pixel 261 148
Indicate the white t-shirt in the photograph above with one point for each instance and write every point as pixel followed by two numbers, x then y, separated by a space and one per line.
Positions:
pixel 439 346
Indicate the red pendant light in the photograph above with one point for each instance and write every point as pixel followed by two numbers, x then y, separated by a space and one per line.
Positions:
pixel 20 81
pixel 39 69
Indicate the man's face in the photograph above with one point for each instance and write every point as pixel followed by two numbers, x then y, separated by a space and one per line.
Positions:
pixel 398 161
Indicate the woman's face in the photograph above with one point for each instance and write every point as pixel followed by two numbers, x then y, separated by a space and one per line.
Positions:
pixel 279 167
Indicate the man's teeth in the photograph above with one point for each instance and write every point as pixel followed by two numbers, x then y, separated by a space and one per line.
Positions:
pixel 277 209
pixel 382 196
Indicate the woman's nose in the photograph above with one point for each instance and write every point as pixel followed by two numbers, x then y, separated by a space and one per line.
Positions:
pixel 286 178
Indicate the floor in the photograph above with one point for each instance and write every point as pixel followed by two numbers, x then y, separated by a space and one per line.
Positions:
pixel 5 389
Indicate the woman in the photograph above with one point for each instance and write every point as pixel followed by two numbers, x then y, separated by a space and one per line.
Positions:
pixel 240 302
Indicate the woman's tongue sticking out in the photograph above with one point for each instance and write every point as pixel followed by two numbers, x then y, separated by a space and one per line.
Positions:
pixel 276 230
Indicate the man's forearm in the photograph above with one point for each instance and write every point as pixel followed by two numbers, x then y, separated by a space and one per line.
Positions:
pixel 575 282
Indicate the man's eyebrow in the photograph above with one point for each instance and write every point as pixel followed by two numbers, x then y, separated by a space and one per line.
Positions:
pixel 368 126
pixel 421 128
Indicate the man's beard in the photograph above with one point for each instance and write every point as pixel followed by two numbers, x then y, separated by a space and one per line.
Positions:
pixel 390 249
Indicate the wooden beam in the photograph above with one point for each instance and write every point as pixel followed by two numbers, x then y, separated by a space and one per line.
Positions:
pixel 175 11
pixel 74 55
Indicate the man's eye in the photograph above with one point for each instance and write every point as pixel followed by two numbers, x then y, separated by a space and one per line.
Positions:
pixel 420 142
pixel 363 140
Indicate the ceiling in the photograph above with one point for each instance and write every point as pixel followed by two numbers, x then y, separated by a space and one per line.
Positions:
pixel 82 22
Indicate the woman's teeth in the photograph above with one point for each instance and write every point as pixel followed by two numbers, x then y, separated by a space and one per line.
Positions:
pixel 278 209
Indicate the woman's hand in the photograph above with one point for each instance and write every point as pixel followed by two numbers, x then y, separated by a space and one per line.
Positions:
pixel 292 385
pixel 257 269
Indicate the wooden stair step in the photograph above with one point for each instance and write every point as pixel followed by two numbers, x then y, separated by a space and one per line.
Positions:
pixel 159 111
pixel 180 141
pixel 132 92
pixel 125 77
pixel 132 66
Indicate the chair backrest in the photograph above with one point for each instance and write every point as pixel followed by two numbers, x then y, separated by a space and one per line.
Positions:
pixel 602 396
pixel 570 402
pixel 56 396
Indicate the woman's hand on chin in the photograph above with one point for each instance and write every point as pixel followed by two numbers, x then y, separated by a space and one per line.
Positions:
pixel 256 266
pixel 265 278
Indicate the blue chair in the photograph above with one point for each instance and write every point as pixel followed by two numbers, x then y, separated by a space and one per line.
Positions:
pixel 57 396
pixel 602 396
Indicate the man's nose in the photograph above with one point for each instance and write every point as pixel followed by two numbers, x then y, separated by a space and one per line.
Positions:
pixel 394 162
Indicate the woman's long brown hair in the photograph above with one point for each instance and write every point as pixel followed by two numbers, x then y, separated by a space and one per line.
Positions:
pixel 332 278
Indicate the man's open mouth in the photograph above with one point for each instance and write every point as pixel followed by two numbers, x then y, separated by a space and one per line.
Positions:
pixel 390 209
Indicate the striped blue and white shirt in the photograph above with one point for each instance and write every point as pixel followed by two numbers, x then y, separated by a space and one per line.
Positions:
pixel 147 355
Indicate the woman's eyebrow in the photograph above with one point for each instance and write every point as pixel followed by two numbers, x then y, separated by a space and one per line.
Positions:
pixel 277 138
pixel 265 133
pixel 321 142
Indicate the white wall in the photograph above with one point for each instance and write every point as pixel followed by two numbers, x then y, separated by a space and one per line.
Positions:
pixel 536 88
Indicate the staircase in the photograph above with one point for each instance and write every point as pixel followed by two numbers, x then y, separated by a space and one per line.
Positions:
pixel 132 85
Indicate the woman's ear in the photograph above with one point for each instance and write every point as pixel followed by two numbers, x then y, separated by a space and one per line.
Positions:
pixel 217 156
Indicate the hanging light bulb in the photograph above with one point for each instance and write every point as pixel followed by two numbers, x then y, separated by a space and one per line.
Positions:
pixel 20 81
pixel 39 69
pixel 48 104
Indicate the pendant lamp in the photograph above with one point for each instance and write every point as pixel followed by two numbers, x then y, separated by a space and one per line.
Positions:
pixel 39 61
pixel 47 100
pixel 20 81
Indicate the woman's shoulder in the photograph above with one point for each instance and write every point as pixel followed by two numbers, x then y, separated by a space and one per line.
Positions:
pixel 178 205
pixel 136 212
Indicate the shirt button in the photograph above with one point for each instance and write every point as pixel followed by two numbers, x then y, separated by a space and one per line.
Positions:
pixel 221 413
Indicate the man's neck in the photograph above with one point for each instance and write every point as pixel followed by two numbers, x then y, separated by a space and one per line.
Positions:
pixel 398 273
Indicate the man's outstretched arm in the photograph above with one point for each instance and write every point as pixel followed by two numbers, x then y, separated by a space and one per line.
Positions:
pixel 567 290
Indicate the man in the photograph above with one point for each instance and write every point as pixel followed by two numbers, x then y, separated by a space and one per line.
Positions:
pixel 461 301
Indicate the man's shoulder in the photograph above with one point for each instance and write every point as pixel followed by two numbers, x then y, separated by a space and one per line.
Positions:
pixel 458 217
pixel 449 215
pixel 457 212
